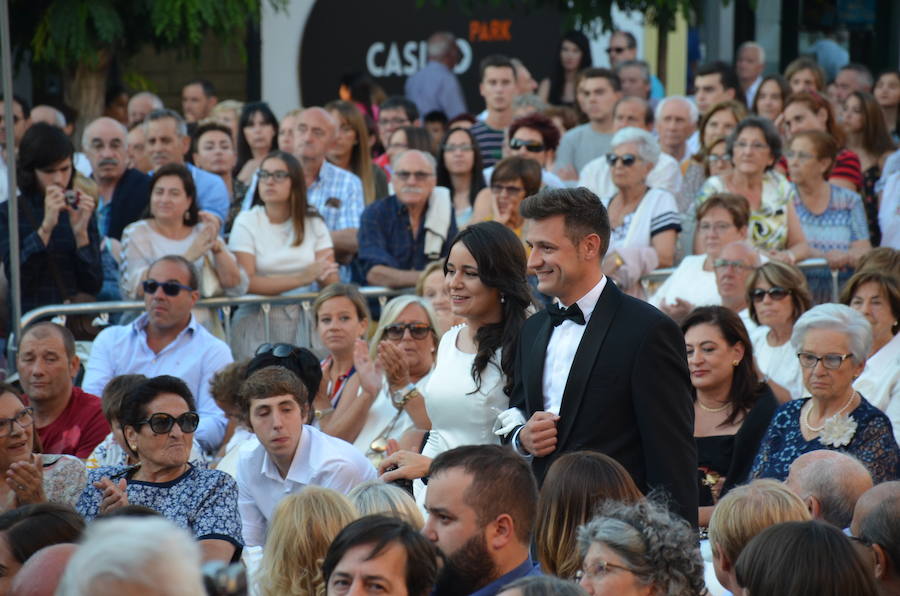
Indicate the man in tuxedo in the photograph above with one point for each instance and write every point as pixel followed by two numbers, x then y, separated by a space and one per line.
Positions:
pixel 600 371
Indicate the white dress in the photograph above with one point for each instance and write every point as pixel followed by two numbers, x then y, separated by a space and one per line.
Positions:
pixel 879 382
pixel 689 282
pixel 384 420
pixel 778 363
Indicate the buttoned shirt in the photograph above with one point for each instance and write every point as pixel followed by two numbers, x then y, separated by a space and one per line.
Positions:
pixel 194 356
pixel 320 460
pixel 212 194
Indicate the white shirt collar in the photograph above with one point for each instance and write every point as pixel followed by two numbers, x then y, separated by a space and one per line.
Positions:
pixel 140 325
pixel 301 471
pixel 587 302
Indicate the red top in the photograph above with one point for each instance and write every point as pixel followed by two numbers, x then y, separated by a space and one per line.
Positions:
pixel 78 429
pixel 846 165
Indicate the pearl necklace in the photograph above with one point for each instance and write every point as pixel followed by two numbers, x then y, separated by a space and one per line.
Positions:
pixel 711 410
pixel 816 429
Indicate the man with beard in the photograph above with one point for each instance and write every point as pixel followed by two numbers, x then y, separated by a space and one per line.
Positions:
pixel 481 503
pixel 123 193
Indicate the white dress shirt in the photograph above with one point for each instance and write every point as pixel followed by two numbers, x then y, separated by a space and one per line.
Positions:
pixel 194 357
pixel 564 341
pixel 320 460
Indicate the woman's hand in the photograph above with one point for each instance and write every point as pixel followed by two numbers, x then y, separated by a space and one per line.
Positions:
pixel 204 242
pixel 54 202
pixel 837 259
pixel 80 217
pixel 369 371
pixel 404 465
pixel 114 496
pixel 785 256
pixel 210 220
pixel 393 361
pixel 328 268
pixel 26 479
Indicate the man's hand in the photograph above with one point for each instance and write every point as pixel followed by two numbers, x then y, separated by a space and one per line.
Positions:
pixel 538 436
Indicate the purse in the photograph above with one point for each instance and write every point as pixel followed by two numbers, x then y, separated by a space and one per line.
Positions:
pixel 210 286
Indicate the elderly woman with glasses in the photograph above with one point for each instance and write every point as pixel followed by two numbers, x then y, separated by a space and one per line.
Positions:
pixel 28 476
pixel 639 549
pixel 644 221
pixel 832 342
pixel 158 419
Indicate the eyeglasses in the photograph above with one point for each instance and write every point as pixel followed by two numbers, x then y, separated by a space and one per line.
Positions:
pixel 713 158
pixel 24 418
pixel 452 148
pixel 277 176
pixel 277 350
pixel 775 293
pixel 725 263
pixel 719 227
pixel 530 146
pixel 396 331
pixel 598 569
pixel 499 189
pixel 754 146
pixel 419 176
pixel 615 50
pixel 829 361
pixel 627 160
pixel 161 423
pixel 170 288
pixel 798 155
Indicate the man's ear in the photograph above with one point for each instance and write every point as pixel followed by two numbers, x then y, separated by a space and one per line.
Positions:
pixel 185 144
pixel 815 508
pixel 591 246
pixel 881 562
pixel 500 532
pixel 73 365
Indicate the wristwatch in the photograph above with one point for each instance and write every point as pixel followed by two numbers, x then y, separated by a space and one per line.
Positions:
pixel 402 396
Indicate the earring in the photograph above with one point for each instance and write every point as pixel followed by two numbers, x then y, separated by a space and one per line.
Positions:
pixel 735 362
pixel 502 298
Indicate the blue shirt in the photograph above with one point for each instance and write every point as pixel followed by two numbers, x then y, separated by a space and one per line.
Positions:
pixel 386 238
pixel 212 194
pixel 527 568
pixel 436 88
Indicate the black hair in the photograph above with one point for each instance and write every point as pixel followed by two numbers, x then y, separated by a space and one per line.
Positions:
pixel 495 61
pixel 477 178
pixel 558 78
pixel 204 128
pixel 584 213
pixel 436 116
pixel 766 127
pixel 398 102
pixel 209 90
pixel 23 103
pixel 30 528
pixel 134 406
pixel 187 180
pixel 300 361
pixel 727 76
pixel 244 153
pixel 42 146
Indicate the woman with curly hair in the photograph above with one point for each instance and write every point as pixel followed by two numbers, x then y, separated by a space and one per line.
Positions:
pixel 639 549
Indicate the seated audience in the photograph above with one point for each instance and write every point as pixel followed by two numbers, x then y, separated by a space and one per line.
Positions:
pixel 876 524
pixel 642 545
pixel 432 288
pixel 158 419
pixel 876 295
pixel 767 289
pixel 732 407
pixel 459 169
pixel 736 263
pixel 400 235
pixel 805 75
pixel 832 342
pixel 166 339
pixel 303 526
pixel 533 137
pixel 830 483
pixel 67 419
pixel 257 136
pixel 575 486
pixel 351 150
pixel 376 497
pixel 512 179
pixel 803 558
pixel 213 150
pixel 290 455
pixel 382 547
pixel 137 556
pixel 770 96
pixel 742 514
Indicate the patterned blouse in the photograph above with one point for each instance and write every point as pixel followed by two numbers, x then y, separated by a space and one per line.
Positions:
pixel 201 501
pixel 769 223
pixel 873 443
pixel 64 479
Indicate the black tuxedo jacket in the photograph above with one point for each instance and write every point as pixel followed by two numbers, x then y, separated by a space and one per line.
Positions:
pixel 628 395
pixel 129 201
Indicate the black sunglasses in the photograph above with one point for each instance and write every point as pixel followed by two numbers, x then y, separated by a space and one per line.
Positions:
pixel 170 288
pixel 277 350
pixel 161 423
pixel 775 293
pixel 627 160
pixel 530 146
pixel 416 330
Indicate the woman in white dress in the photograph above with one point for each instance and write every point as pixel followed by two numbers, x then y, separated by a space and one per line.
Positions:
pixel 777 294
pixel 485 273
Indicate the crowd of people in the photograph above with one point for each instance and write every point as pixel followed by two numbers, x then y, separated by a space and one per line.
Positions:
pixel 535 413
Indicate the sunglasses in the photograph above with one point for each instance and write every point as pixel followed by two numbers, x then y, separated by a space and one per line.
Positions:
pixel 419 176
pixel 161 423
pixel 614 50
pixel 627 160
pixel 530 146
pixel 775 293
pixel 277 350
pixel 170 288
pixel 396 331
pixel 829 361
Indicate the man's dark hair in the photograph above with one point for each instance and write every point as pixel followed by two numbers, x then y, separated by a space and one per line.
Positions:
pixel 599 73
pixel 727 76
pixel 193 281
pixel 436 116
pixel 41 146
pixel 41 328
pixel 502 482
pixel 381 531
pixel 495 61
pixel 584 213
pixel 269 382
pixel 209 90
pixel 648 111
pixel 631 40
pixel 205 128
pixel 134 406
pixel 398 102
pixel 23 103
pixel 30 528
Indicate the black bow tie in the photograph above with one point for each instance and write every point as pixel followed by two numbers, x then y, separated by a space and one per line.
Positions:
pixel 558 315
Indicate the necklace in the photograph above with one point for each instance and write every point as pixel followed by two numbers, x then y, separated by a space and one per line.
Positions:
pixel 711 410
pixel 816 429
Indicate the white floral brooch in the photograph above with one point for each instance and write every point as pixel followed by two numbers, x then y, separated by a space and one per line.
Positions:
pixel 838 431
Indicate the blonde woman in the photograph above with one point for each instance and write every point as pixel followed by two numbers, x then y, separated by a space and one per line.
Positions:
pixel 376 497
pixel 303 526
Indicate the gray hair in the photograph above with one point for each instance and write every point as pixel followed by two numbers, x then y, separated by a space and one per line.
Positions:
pixel 432 162
pixel 544 585
pixel 150 552
pixel 440 43
pixel 835 479
pixel 657 546
pixel 836 317
pixel 163 113
pixel 392 310
pixel 640 64
pixel 376 497
pixel 58 117
pixel 863 74
pixel 693 112
pixel 881 525
pixel 529 100
pixel 85 136
pixel 755 46
pixel 647 146
pixel 749 248
pixel 155 102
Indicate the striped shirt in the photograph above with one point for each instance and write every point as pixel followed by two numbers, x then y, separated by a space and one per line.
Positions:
pixel 490 141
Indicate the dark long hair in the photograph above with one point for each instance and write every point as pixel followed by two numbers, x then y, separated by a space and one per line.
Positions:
pixel 876 138
pixel 558 78
pixel 443 174
pixel 501 265
pixel 42 146
pixel 244 153
pixel 300 208
pixel 745 385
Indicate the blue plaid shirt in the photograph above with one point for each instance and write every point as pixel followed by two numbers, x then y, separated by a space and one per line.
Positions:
pixel 338 197
pixel 385 238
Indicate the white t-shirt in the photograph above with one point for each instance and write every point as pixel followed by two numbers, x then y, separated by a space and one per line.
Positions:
pixel 689 282
pixel 779 363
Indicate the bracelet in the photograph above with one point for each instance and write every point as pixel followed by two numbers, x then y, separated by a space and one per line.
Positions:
pixel 402 396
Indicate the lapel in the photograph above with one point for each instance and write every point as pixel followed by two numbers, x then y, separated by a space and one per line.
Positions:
pixel 586 358
pixel 534 390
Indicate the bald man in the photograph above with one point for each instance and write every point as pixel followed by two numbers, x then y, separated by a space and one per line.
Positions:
pixel 40 574
pixel 142 104
pixel 830 483
pixel 876 522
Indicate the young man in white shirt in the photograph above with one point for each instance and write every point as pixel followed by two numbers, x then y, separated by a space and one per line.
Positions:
pixel 290 455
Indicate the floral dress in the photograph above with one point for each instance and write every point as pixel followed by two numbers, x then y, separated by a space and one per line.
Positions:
pixel 64 479
pixel 872 443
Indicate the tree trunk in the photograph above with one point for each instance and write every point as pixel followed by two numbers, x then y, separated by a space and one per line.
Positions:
pixel 662 55
pixel 85 91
